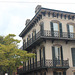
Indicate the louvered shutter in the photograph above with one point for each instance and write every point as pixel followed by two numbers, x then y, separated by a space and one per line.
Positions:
pixel 60 27
pixel 52 29
pixel 53 55
pixel 73 56
pixel 68 31
pixel 44 55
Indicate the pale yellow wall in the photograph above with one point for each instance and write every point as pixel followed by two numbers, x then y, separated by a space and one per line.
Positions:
pixel 47 21
pixel 66 50
pixel 64 22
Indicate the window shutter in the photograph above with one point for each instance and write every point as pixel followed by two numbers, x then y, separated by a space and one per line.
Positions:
pixel 36 58
pixel 32 37
pixel 60 27
pixel 73 56
pixel 64 73
pixel 23 45
pixel 42 29
pixel 57 15
pixel 35 35
pixel 61 16
pixel 68 31
pixel 68 17
pixel 30 63
pixel 52 30
pixel 40 56
pixel 25 66
pixel 44 55
pixel 53 55
pixel 27 41
pixel 62 55
pixel 33 62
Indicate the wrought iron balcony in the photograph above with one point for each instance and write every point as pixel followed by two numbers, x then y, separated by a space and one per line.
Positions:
pixel 49 35
pixel 48 64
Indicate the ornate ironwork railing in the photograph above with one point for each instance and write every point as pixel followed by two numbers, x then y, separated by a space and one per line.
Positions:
pixel 49 34
pixel 48 63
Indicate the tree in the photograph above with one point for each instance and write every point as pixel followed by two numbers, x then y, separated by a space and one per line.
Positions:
pixel 10 55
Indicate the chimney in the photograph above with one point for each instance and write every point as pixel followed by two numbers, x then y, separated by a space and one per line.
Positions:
pixel 27 21
pixel 38 7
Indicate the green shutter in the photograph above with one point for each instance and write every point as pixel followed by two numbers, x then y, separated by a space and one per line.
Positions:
pixel 53 54
pixel 35 35
pixel 23 45
pixel 32 37
pixel 36 58
pixel 25 66
pixel 44 55
pixel 40 56
pixel 60 27
pixel 33 62
pixel 49 14
pixel 27 41
pixel 42 29
pixel 53 14
pixel 61 55
pixel 30 63
pixel 61 16
pixel 52 30
pixel 73 56
pixel 57 15
pixel 64 73
pixel 68 31
pixel 68 17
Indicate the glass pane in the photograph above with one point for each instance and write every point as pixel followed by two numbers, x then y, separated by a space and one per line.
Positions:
pixel 71 28
pixel 55 26
pixel 56 53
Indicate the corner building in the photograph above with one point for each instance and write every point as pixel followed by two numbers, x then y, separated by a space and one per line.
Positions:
pixel 51 36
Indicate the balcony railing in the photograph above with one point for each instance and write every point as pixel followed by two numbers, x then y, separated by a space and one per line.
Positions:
pixel 47 64
pixel 49 34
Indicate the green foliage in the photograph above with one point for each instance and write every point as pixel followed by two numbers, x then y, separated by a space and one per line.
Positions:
pixel 10 55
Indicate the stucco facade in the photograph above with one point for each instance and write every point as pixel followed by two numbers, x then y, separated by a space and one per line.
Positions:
pixel 48 36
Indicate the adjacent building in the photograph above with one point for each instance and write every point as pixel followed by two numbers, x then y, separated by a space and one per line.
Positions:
pixel 50 34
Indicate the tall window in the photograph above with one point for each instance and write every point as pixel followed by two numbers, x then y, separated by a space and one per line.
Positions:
pixel 57 55
pixel 55 26
pixel 70 29
pixel 56 29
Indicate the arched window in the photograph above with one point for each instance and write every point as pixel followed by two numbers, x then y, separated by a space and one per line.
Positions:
pixel 71 30
pixel 57 54
pixel 56 28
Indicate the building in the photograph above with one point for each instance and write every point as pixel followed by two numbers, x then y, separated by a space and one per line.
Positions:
pixel 51 36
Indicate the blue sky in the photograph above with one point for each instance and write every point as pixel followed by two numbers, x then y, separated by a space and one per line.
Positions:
pixel 13 13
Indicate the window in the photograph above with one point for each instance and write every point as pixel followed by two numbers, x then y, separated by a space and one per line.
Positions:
pixel 56 28
pixel 57 55
pixel 70 28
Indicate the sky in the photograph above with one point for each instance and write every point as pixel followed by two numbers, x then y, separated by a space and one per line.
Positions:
pixel 13 13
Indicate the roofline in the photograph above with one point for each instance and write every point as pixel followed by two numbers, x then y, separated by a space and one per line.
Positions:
pixel 22 33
